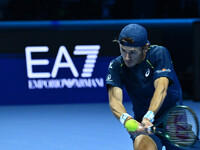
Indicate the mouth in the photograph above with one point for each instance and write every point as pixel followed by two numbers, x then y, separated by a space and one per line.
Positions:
pixel 128 62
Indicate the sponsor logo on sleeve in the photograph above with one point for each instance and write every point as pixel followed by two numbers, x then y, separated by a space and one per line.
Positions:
pixel 109 78
pixel 110 65
pixel 163 70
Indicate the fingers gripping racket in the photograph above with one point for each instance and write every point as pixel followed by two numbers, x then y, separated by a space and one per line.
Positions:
pixel 180 126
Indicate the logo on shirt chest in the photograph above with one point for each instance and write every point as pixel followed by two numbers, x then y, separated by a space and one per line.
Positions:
pixel 147 72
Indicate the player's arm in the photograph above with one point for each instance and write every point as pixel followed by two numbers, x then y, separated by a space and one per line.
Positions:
pixel 115 101
pixel 118 109
pixel 161 86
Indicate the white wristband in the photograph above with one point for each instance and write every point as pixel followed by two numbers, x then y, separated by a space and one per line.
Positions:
pixel 123 117
pixel 149 115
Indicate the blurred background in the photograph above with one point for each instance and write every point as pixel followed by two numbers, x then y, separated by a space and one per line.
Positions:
pixel 54 56
pixel 97 9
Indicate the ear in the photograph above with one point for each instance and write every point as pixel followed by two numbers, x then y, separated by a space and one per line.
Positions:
pixel 146 48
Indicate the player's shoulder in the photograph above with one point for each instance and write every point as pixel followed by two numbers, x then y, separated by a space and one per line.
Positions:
pixel 157 50
pixel 116 62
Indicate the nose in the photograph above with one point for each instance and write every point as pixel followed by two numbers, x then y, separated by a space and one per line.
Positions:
pixel 127 56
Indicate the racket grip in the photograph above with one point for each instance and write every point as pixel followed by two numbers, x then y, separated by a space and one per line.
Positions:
pixel 149 129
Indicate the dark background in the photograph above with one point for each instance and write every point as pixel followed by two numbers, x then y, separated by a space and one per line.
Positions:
pixel 97 9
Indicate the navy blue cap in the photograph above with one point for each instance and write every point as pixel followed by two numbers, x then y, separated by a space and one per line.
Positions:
pixel 135 32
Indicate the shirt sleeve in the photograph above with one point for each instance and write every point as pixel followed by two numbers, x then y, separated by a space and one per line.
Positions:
pixel 114 74
pixel 163 65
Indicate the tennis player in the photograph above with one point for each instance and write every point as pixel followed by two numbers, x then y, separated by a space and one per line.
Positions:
pixel 147 74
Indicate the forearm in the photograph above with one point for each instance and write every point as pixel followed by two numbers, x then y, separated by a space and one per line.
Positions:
pixel 117 108
pixel 161 86
pixel 115 101
pixel 157 99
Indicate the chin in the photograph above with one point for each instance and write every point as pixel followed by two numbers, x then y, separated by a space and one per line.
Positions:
pixel 130 65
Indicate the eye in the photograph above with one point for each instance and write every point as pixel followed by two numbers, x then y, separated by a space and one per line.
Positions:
pixel 133 52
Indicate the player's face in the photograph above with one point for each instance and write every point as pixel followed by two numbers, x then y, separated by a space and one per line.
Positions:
pixel 132 55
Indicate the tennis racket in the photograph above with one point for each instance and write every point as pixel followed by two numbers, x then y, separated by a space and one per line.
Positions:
pixel 180 126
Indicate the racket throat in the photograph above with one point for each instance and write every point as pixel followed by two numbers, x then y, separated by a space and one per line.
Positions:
pixel 159 131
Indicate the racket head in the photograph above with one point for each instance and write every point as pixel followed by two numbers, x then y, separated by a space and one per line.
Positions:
pixel 181 126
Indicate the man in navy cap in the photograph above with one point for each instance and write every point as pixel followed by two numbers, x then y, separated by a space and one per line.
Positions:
pixel 146 71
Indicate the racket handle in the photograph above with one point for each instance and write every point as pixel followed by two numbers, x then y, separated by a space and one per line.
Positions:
pixel 150 129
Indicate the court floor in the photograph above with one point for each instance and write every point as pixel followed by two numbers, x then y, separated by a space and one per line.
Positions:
pixel 65 127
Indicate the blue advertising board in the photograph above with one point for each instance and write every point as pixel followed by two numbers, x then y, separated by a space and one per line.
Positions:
pixel 42 64
pixel 29 79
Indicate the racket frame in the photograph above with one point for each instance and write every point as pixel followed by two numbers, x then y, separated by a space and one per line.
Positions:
pixel 162 131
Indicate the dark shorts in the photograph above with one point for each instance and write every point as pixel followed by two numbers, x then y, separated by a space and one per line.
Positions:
pixel 160 142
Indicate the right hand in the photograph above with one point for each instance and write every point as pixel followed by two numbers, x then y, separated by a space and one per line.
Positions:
pixel 140 130
pixel 147 124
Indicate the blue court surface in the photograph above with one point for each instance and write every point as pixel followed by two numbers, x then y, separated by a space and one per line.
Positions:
pixel 65 127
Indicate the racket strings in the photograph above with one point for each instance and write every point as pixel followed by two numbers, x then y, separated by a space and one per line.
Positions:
pixel 180 126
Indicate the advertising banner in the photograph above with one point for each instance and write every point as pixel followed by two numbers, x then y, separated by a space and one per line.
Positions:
pixel 54 66
pixel 33 78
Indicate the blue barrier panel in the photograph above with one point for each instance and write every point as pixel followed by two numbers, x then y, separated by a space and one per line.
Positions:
pixel 88 85
pixel 92 24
